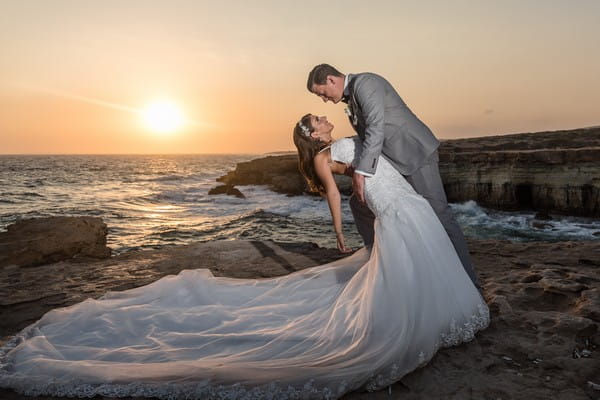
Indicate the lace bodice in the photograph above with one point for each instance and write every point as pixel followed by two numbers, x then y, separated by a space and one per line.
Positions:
pixel 385 189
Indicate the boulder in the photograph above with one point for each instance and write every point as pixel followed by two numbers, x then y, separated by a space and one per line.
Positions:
pixel 540 225
pixel 228 190
pixel 40 241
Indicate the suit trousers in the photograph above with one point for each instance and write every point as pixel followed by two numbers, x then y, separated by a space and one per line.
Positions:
pixel 427 182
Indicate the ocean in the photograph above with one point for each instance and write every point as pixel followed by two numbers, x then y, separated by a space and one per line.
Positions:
pixel 151 201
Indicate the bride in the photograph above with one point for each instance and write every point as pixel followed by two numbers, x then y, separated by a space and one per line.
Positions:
pixel 360 322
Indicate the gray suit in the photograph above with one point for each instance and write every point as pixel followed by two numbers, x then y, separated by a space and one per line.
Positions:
pixel 388 128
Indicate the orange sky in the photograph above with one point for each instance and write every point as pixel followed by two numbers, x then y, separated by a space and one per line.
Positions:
pixel 74 74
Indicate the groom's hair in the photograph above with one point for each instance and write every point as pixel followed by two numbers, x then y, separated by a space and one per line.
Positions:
pixel 319 74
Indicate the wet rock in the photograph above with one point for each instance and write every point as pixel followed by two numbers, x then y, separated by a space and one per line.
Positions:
pixel 40 241
pixel 543 215
pixel 228 190
pixel 540 225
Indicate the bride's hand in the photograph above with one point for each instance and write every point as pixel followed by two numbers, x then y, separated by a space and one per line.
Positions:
pixel 349 171
pixel 340 244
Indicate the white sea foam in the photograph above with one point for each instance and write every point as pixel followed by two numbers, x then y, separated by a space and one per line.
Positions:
pixel 520 226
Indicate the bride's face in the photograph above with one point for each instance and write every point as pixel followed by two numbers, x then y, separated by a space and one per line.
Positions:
pixel 321 128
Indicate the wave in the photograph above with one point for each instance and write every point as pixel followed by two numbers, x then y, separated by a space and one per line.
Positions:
pixel 148 202
pixel 482 223
pixel 26 194
pixel 167 178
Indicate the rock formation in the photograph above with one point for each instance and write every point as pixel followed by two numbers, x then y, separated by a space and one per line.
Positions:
pixel 227 189
pixel 279 172
pixel 552 172
pixel 543 341
pixel 39 241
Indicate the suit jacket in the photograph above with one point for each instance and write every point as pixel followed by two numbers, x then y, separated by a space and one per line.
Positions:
pixel 386 126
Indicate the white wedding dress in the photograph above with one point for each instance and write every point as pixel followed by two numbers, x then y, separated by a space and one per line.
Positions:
pixel 360 322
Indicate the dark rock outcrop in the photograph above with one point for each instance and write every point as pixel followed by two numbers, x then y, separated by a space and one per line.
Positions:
pixel 280 173
pixel 551 172
pixel 40 241
pixel 227 189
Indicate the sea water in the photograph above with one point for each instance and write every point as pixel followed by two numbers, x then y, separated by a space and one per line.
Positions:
pixel 150 201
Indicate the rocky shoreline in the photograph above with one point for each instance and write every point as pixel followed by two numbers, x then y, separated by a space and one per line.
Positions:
pixel 543 341
pixel 550 172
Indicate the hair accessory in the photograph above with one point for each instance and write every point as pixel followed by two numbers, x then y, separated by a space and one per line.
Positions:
pixel 304 128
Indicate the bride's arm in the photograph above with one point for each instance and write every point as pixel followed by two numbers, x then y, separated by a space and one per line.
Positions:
pixel 324 173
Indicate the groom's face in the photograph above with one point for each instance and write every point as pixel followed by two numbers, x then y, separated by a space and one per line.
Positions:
pixel 331 90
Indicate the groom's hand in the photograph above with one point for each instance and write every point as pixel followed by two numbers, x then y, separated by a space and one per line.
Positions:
pixel 358 186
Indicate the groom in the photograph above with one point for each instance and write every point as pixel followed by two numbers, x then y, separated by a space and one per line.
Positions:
pixel 387 127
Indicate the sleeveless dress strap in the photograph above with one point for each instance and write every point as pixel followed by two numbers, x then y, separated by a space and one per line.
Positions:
pixel 324 148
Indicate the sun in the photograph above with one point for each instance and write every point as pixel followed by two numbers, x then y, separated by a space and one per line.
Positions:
pixel 162 116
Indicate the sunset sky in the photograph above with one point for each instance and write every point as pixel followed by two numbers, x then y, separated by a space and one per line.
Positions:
pixel 75 75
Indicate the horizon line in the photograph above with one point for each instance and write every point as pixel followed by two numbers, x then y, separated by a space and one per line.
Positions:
pixel 279 151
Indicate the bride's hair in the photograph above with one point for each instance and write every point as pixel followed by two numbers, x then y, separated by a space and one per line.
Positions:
pixel 308 148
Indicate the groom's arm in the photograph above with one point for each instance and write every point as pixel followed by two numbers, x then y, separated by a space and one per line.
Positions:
pixel 369 92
